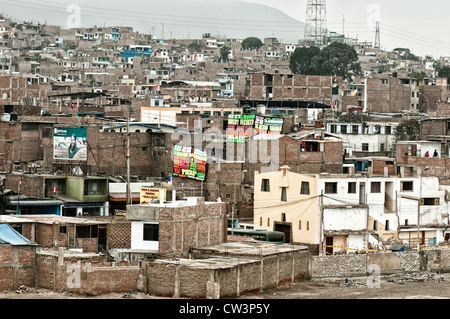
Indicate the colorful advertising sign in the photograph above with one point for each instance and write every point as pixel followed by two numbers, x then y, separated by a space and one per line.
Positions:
pixel 151 195
pixel 241 127
pixel 69 143
pixel 267 125
pixel 189 162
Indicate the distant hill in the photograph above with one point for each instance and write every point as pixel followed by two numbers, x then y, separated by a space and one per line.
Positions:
pixel 181 18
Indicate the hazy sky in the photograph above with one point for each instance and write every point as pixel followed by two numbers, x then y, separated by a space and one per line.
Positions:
pixel 422 26
pixel 419 25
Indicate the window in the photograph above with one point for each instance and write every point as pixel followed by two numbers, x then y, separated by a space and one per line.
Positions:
pixel 365 147
pixel 283 217
pixel 260 221
pixel 332 128
pixel 375 187
pixel 343 129
pixel 151 232
pixel 407 186
pixel 330 188
pixel 94 187
pixel 63 229
pixel 283 194
pixel 304 190
pixel 352 187
pixel 268 222
pixel 386 226
pixel 429 201
pixel 384 81
pixel 299 224
pixel 382 147
pixel 307 225
pixel 265 185
pixel 388 130
pixel 375 226
pixel 355 129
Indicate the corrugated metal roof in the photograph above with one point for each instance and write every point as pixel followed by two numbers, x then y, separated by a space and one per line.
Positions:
pixel 9 235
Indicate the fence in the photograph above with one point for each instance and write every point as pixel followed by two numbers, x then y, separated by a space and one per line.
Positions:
pixel 432 259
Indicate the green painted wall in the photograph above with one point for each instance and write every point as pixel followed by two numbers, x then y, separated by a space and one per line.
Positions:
pixel 75 189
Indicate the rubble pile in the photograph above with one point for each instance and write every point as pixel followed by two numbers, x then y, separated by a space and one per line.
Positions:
pixel 425 277
pixel 25 290
pixel 422 277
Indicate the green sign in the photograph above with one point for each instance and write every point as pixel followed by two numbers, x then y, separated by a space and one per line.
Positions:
pixel 69 143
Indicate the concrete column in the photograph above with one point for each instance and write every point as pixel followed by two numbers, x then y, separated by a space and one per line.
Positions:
pixel 176 292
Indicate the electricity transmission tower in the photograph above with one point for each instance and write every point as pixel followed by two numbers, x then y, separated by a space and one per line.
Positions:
pixel 316 29
pixel 377 36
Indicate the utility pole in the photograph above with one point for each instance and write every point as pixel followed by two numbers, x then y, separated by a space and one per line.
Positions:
pixel 128 161
pixel 321 225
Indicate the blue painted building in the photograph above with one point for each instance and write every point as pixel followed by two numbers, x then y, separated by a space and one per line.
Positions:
pixel 141 51
pixel 25 205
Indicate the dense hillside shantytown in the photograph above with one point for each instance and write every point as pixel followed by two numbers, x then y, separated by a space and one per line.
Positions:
pixel 215 167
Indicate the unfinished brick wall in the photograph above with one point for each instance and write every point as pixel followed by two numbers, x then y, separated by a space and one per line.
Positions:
pixel 17 266
pixel 240 275
pixel 183 228
pixel 294 86
pixel 88 278
pixel 359 264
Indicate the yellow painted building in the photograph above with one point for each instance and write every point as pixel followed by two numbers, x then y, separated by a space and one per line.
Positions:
pixel 288 202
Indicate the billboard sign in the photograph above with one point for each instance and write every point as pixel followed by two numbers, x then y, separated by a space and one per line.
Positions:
pixel 189 162
pixel 240 127
pixel 151 195
pixel 69 143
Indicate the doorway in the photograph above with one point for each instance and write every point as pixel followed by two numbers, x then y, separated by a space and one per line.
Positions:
pixel 286 228
pixel 329 246
pixel 362 193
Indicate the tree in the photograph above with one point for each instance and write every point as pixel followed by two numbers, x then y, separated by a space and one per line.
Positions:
pixel 251 43
pixel 224 52
pixel 419 75
pixel 194 47
pixel 304 61
pixel 444 72
pixel 405 53
pixel 337 59
pixel 408 130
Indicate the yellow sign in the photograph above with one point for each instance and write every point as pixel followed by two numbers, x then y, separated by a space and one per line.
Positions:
pixel 151 195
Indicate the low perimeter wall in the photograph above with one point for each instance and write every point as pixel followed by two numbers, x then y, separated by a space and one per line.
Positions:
pixel 218 277
pixel 88 277
pixel 436 260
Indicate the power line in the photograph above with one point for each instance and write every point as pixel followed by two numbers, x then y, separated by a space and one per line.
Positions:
pixel 135 17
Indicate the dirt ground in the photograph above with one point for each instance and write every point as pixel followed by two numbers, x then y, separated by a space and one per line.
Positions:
pixel 398 286
pixel 404 286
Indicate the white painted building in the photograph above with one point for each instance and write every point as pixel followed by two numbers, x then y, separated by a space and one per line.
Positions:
pixel 362 212
pixel 364 137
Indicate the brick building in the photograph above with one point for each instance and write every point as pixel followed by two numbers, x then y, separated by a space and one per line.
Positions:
pixel 295 87
pixel 173 229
